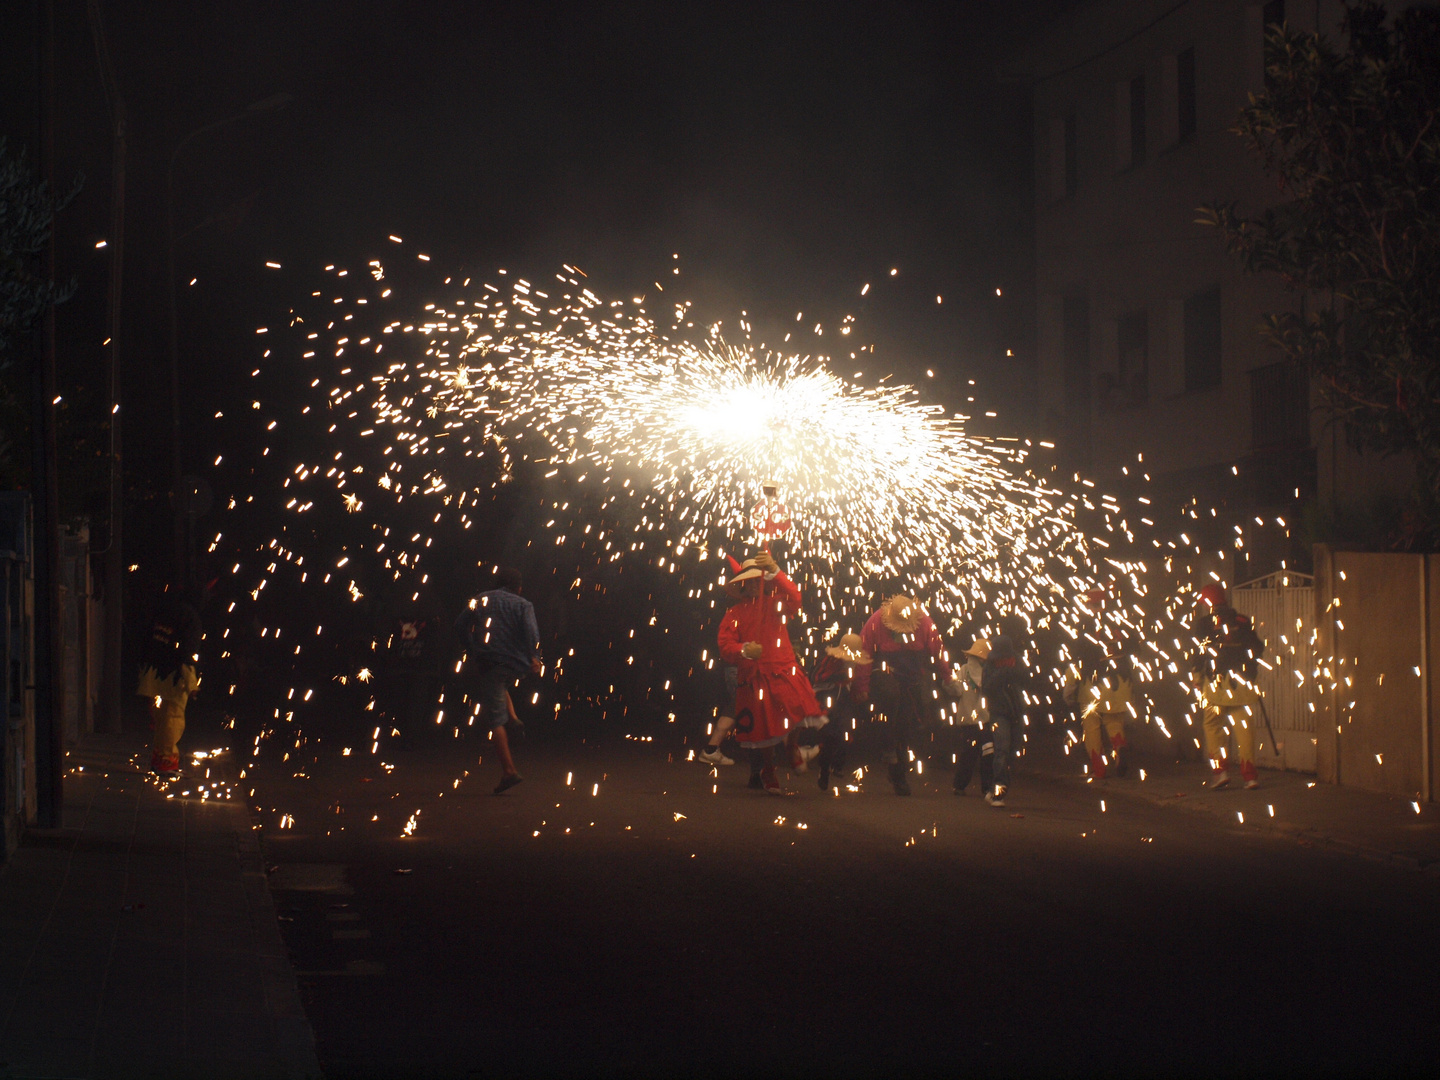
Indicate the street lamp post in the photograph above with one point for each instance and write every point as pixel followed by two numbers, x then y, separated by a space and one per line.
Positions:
pixel 275 101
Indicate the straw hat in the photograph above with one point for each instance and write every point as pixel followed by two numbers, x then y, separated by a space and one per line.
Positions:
pixel 901 614
pixel 749 569
pixel 980 650
pixel 851 649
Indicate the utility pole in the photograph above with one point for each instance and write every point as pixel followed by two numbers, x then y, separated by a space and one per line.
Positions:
pixel 49 670
pixel 111 711
pixel 178 495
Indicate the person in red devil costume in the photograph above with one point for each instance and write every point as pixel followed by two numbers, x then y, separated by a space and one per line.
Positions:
pixel 774 696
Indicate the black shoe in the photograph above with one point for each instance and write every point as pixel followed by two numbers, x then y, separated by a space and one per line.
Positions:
pixel 958 790
pixel 755 783
pixel 507 782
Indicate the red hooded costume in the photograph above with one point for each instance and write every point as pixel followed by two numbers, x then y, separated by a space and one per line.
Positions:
pixel 774 693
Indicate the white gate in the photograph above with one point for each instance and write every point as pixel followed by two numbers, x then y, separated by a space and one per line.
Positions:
pixel 1282 608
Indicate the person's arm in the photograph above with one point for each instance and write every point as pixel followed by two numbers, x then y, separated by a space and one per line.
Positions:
pixel 860 684
pixel 870 642
pixel 729 640
pixel 789 594
pixel 532 631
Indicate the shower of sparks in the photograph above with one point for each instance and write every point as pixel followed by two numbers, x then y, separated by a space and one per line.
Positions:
pixel 649 445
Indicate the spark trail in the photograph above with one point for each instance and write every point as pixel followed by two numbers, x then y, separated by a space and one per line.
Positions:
pixel 658 440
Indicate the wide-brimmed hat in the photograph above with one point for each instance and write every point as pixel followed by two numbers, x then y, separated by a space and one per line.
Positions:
pixel 748 570
pixel 851 649
pixel 980 650
pixel 901 614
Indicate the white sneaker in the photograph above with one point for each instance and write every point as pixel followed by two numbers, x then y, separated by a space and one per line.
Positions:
pixel 711 755
pixel 1221 779
pixel 1251 785
pixel 996 797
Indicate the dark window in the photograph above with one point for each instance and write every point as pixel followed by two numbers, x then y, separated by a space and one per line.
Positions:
pixel 1137 119
pixel 1076 345
pixel 1076 348
pixel 1274 14
pixel 1279 407
pixel 1133 374
pixel 1072 156
pixel 1185 92
pixel 1202 340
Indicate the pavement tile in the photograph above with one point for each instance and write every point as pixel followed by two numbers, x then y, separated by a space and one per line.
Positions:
pixel 145 914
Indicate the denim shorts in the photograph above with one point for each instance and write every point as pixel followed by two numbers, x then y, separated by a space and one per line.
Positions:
pixel 489 688
pixel 727 688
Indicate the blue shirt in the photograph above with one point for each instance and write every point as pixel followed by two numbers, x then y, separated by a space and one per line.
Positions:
pixel 501 630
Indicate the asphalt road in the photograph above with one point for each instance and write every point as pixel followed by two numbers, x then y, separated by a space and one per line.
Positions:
pixel 676 923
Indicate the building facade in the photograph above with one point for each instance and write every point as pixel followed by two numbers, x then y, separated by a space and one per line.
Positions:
pixel 1147 331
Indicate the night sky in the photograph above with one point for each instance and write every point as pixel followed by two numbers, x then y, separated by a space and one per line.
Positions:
pixel 786 155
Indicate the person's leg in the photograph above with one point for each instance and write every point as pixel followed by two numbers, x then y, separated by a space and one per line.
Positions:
pixel 495 697
pixel 768 780
pixel 1244 723
pixel 722 728
pixel 1000 760
pixel 1090 726
pixel 169 721
pixel 729 689
pixel 969 756
pixel 1215 741
pixel 502 747
pixel 757 762
pixel 1115 729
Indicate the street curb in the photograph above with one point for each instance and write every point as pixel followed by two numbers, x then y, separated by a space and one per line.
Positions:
pixel 1285 829
pixel 294 1038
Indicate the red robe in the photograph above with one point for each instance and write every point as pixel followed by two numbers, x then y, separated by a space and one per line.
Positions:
pixel 774 693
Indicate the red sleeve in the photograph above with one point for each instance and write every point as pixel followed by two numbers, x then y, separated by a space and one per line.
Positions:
pixel 870 637
pixel 729 638
pixel 933 642
pixel 789 593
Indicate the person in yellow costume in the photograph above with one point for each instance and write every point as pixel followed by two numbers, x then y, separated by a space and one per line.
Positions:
pixel 1229 651
pixel 169 675
pixel 1101 695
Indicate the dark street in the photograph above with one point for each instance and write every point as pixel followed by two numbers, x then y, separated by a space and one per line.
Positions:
pixel 660 929
pixel 433 435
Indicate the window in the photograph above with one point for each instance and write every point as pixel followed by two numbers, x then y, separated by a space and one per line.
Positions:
pixel 1279 407
pixel 1202 340
pixel 1132 381
pixel 1075 355
pixel 1072 156
pixel 1076 346
pixel 1137 119
pixel 1185 93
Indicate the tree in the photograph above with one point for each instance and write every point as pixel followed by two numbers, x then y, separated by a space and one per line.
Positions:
pixel 1352 138
pixel 27 211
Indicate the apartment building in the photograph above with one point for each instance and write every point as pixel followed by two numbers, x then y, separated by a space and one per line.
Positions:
pixel 1147 335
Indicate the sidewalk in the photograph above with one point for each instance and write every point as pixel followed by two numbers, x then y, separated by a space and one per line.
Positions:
pixel 140 939
pixel 1365 823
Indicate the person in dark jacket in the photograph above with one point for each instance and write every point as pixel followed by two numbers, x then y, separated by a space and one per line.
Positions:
pixel 1005 678
pixel 169 674
pixel 502 643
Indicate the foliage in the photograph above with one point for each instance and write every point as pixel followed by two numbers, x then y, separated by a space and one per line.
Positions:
pixel 1352 139
pixel 27 210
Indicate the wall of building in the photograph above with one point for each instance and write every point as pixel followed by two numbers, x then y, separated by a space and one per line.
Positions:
pixel 1377 616
pixel 1118 230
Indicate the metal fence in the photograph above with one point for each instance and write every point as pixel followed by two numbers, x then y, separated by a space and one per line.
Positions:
pixel 1282 609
